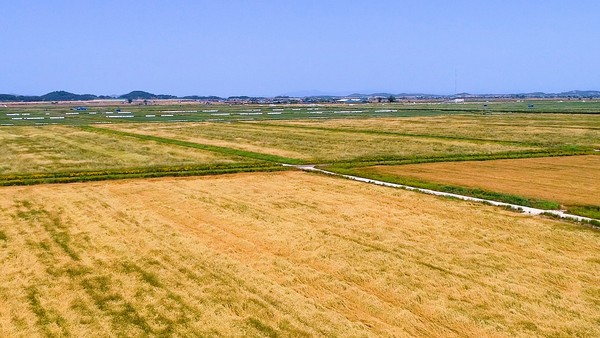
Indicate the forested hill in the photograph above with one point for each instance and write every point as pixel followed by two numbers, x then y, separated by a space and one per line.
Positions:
pixel 53 96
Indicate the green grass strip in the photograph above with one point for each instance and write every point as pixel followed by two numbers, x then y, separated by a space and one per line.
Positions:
pixel 550 152
pixel 217 149
pixel 591 211
pixel 128 173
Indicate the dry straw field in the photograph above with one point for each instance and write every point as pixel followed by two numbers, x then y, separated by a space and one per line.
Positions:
pixel 295 254
pixel 314 145
pixel 285 254
pixel 539 129
pixel 27 150
pixel 571 180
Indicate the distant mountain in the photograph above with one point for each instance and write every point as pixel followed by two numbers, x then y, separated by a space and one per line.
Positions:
pixel 66 96
pixel 534 94
pixel 309 95
pixel 425 95
pixel 203 98
pixel 582 93
pixel 382 94
pixel 142 95
pixel 53 96
pixel 8 97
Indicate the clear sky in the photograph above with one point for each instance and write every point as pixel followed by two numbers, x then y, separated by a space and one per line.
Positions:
pixel 273 47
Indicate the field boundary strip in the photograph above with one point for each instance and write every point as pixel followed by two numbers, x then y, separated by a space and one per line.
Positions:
pixel 125 173
pixel 464 157
pixel 520 208
pixel 217 149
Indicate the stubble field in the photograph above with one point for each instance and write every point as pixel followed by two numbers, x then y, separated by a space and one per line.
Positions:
pixel 539 129
pixel 318 146
pixel 29 150
pixel 289 254
pixel 570 180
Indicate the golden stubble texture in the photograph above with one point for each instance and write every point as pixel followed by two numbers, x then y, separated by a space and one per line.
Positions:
pixel 288 254
pixel 27 150
pixel 316 145
pixel 570 180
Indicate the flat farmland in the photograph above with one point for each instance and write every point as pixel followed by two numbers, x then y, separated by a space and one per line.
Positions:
pixel 570 180
pixel 50 149
pixel 168 111
pixel 541 129
pixel 313 145
pixel 285 254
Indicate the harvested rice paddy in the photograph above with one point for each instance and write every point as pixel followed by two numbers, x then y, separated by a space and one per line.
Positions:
pixel 292 253
pixel 539 129
pixel 319 146
pixel 570 180
pixel 285 254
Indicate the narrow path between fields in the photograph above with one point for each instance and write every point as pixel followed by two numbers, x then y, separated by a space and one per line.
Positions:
pixel 524 209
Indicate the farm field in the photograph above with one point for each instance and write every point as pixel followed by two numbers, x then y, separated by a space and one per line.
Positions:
pixel 65 153
pixel 319 146
pixel 115 111
pixel 570 180
pixel 62 148
pixel 549 130
pixel 290 254
pixel 30 114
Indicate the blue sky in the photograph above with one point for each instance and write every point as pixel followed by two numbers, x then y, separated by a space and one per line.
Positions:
pixel 276 47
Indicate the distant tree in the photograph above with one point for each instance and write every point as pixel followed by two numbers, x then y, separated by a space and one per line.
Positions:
pixel 392 98
pixel 129 100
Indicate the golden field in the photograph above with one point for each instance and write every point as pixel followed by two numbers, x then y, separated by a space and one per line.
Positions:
pixel 48 149
pixel 285 254
pixel 570 180
pixel 542 129
pixel 314 145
